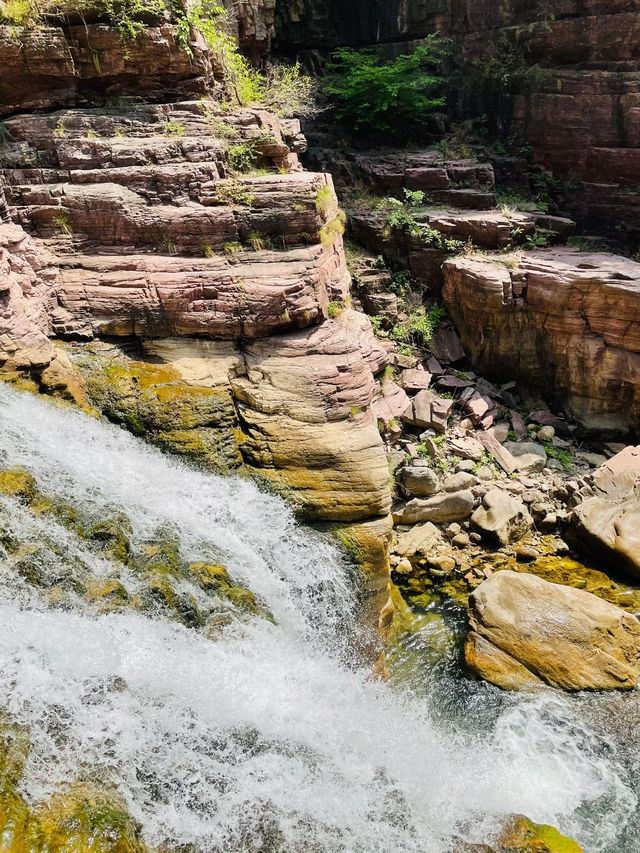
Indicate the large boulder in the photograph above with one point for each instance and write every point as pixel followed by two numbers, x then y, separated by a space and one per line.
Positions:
pixel 501 518
pixel 525 631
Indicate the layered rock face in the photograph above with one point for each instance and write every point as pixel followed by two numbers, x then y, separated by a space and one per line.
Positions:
pixel 193 237
pixel 579 116
pixel 564 322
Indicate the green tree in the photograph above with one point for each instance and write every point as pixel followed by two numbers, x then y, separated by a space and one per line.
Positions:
pixel 394 96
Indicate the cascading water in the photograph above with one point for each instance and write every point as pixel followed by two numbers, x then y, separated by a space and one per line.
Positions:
pixel 262 737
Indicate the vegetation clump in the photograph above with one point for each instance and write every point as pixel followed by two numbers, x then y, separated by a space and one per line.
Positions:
pixel 393 96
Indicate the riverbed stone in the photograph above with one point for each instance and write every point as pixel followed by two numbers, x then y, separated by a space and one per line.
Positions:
pixel 420 480
pixel 454 506
pixel 421 540
pixel 529 455
pixel 501 518
pixel 610 531
pixel 459 481
pixel 526 631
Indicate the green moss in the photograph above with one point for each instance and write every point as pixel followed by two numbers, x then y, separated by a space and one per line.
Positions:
pixel 112 535
pixel 152 401
pixel 110 591
pixel 84 818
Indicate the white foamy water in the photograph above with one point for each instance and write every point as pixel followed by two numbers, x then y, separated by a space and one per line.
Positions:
pixel 263 739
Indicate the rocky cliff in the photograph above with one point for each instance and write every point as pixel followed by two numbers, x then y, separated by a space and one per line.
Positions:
pixel 187 239
pixel 562 79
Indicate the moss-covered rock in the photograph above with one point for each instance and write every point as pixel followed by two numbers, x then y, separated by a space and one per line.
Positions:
pixel 153 401
pixel 521 835
pixel 18 483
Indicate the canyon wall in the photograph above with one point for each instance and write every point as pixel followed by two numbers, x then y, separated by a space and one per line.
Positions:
pixel 570 71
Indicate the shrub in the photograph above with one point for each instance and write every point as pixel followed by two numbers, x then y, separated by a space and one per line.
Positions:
pixel 244 83
pixel 288 92
pixel 393 96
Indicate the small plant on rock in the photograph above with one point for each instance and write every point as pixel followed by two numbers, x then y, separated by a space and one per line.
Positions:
pixel 173 128
pixel 243 157
pixel 333 230
pixel 419 327
pixel 324 200
pixel 334 309
pixel 232 249
pixel 63 224
pixel 257 241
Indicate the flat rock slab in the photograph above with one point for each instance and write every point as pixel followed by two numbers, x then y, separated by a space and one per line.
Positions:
pixel 525 631
pixel 420 541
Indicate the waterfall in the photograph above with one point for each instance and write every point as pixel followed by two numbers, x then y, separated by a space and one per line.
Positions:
pixel 263 736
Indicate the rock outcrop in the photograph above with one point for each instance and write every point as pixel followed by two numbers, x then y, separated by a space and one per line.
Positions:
pixel 607 525
pixel 561 321
pixel 525 631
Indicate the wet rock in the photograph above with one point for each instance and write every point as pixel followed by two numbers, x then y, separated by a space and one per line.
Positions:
pixel 501 518
pixel 525 631
pixel 446 565
pixel 440 509
pixel 526 554
pixel 521 835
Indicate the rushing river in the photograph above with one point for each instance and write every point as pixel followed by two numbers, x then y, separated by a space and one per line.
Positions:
pixel 267 736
